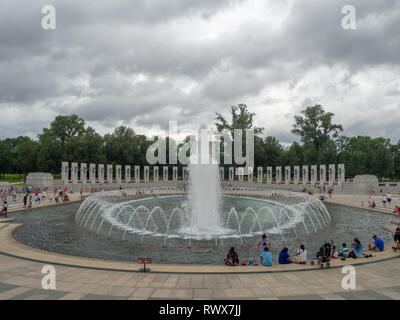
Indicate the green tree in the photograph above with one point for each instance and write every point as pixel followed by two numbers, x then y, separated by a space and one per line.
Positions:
pixel 66 127
pixel 314 126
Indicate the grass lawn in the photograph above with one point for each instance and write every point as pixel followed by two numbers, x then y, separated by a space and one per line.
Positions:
pixel 11 177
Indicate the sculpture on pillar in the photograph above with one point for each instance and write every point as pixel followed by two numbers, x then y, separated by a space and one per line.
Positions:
pixel 137 174
pixel 165 173
pixel 314 174
pixel 65 172
pixel 146 174
pixel 332 175
pixel 288 174
pixel 296 173
pixel 304 175
pixel 74 172
pixel 109 173
pixel 127 174
pixel 259 174
pixel 322 175
pixel 118 169
pixel 100 173
pixel 278 176
pixel 83 173
pixel 269 175
pixel 156 173
pixel 231 174
pixel 92 173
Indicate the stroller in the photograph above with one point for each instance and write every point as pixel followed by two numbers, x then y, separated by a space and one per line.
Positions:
pixel 324 253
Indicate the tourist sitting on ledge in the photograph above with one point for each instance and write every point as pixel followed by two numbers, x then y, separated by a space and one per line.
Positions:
pixel 284 257
pixel 301 255
pixel 377 245
pixel 4 210
pixel 322 198
pixel 396 209
pixel 356 249
pixel 266 257
pixel 232 258
pixel 334 253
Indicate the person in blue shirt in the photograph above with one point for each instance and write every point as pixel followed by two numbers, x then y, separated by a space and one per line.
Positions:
pixel 284 257
pixel 266 257
pixel 356 249
pixel 377 245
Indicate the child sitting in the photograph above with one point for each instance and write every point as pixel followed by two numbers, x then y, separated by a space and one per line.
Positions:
pixel 344 250
pixel 335 253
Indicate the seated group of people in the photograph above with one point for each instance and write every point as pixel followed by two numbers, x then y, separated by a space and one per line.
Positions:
pixel 264 250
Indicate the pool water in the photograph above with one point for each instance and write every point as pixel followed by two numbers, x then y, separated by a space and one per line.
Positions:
pixel 54 229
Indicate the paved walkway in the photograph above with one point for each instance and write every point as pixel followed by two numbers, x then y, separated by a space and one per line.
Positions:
pixel 21 279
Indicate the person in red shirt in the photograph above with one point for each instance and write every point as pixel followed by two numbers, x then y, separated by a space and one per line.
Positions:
pixel 397 210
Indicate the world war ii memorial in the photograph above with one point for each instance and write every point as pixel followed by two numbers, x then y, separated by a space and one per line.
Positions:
pixel 183 150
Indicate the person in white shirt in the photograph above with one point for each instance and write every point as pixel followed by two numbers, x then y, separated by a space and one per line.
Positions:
pixel 384 200
pixel 301 255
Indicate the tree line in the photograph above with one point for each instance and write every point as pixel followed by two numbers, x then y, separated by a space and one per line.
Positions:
pixel 321 142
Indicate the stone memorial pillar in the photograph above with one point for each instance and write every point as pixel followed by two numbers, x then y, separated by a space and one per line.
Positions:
pixel 322 175
pixel 269 175
pixel 231 174
pixel 221 174
pixel 127 174
pixel 100 173
pixel 165 173
pixel 84 173
pixel 259 174
pixel 137 174
pixel 118 170
pixel 146 174
pixel 304 175
pixel 278 175
pixel 156 173
pixel 65 172
pixel 109 173
pixel 250 174
pixel 92 173
pixel 314 174
pixel 296 175
pixel 288 173
pixel 175 173
pixel 331 175
pixel 341 174
pixel 74 172
pixel 240 173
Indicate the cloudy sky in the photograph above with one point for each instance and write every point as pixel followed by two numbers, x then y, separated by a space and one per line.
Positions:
pixel 144 62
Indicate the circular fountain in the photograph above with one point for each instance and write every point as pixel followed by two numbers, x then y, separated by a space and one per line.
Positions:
pixel 205 213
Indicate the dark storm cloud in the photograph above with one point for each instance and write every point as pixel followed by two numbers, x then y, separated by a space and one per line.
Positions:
pixel 147 61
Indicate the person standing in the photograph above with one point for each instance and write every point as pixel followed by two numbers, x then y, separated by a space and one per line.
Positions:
pixel 25 200
pixel 389 199
pixel 384 200
pixel 262 244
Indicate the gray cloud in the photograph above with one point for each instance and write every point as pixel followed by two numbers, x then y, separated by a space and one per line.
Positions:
pixel 145 62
